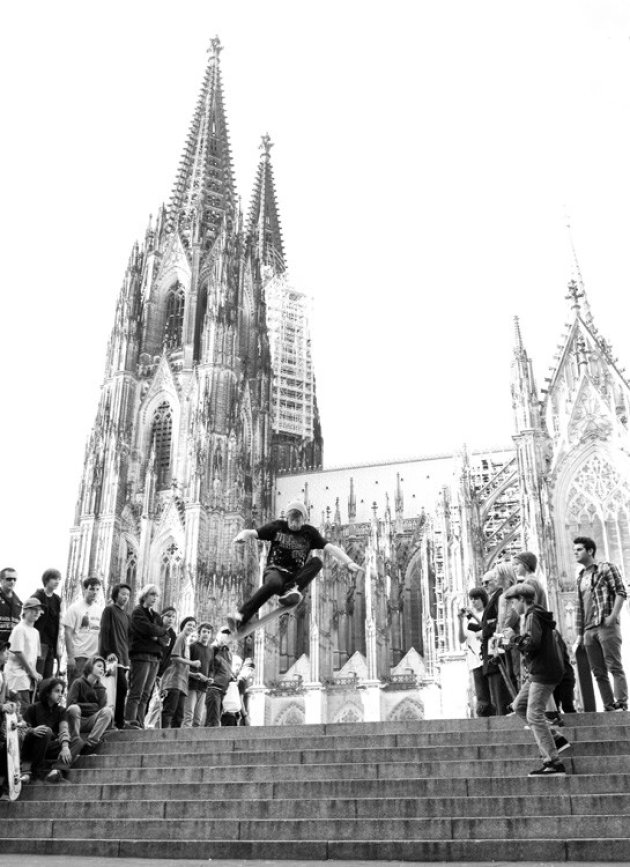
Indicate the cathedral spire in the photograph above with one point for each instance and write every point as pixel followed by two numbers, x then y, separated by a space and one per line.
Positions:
pixel 577 290
pixel 263 221
pixel 203 194
pixel 525 401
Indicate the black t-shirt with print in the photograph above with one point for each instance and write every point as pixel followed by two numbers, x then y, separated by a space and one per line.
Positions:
pixel 290 548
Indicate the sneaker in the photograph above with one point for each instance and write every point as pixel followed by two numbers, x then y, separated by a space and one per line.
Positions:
pixel 562 743
pixel 610 707
pixel 619 705
pixel 291 597
pixel 53 777
pixel 132 724
pixel 235 622
pixel 549 769
pixel 89 747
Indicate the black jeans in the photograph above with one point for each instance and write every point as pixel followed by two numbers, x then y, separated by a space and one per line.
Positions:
pixel 46 662
pixel 43 752
pixel 173 709
pixel 482 693
pixel 276 582
pixel 214 702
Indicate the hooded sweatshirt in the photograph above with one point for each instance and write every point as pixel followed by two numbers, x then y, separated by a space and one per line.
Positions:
pixel 538 644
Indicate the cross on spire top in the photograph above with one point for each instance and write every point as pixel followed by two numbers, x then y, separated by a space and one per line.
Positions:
pixel 575 295
pixel 265 144
pixel 215 47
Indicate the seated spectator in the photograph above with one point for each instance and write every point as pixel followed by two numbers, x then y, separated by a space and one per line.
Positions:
pixel 87 709
pixel 175 679
pixel 48 743
pixel 220 674
pixel 471 636
pixel 21 668
pixel 194 706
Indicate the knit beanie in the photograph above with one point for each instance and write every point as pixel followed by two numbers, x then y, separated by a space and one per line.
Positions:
pixel 296 506
pixel 529 560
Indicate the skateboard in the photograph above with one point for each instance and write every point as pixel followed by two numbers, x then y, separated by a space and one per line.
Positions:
pixel 110 682
pixel 14 775
pixel 253 625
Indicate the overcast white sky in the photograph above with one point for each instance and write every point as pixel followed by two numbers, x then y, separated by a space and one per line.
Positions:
pixel 426 155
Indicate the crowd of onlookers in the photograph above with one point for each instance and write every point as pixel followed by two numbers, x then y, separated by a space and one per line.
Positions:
pixel 159 676
pixel 518 659
pixel 194 677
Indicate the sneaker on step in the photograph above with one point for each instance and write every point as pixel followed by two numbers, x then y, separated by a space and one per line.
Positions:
pixel 291 597
pixel 562 743
pixel 620 705
pixel 132 724
pixel 53 777
pixel 234 622
pixel 549 769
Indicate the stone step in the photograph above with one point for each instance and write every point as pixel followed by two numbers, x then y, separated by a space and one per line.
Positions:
pixel 456 828
pixel 188 758
pixel 438 790
pixel 190 739
pixel 410 770
pixel 472 787
pixel 306 732
pixel 541 850
pixel 327 808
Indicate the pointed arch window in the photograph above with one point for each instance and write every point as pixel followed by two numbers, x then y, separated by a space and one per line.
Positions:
pixel 170 574
pixel 174 325
pixel 161 436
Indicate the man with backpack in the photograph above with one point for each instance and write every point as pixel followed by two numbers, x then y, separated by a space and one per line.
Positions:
pixel 601 594
pixel 545 669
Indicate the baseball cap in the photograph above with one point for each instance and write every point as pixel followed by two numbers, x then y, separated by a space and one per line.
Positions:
pixel 32 602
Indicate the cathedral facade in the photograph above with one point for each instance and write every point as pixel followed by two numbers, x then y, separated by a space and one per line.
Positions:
pixel 181 455
pixel 208 423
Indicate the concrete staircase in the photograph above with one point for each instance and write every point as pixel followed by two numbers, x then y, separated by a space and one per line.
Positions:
pixel 438 790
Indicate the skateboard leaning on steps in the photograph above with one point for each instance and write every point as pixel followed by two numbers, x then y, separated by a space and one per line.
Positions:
pixel 14 773
pixel 110 682
pixel 253 625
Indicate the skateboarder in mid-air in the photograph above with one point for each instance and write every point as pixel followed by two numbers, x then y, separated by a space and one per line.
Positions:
pixel 289 569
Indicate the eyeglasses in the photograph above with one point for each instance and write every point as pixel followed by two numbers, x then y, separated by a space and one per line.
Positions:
pixel 12 578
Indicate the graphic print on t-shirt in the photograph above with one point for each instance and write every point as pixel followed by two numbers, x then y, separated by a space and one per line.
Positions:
pixel 289 550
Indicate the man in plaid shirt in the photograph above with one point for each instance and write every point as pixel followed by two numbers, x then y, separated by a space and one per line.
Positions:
pixel 601 594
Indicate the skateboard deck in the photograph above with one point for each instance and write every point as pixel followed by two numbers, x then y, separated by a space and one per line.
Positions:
pixel 110 682
pixel 253 625
pixel 14 775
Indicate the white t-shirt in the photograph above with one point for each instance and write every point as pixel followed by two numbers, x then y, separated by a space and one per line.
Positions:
pixel 473 649
pixel 24 638
pixel 85 622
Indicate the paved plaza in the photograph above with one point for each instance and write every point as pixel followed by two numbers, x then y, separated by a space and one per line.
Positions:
pixel 65 861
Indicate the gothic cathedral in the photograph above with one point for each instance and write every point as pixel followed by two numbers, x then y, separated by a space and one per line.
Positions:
pixel 208 423
pixel 182 451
